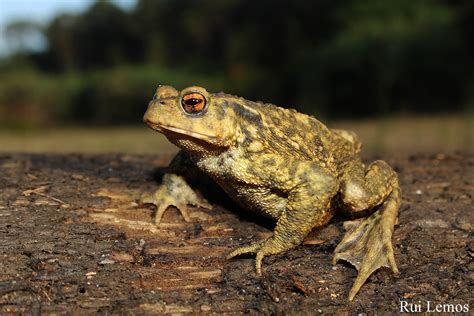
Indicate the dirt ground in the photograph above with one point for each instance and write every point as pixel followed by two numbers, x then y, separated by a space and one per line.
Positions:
pixel 72 241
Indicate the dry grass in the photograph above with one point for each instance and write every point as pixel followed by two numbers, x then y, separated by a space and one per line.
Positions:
pixel 407 134
pixel 137 139
pixel 415 134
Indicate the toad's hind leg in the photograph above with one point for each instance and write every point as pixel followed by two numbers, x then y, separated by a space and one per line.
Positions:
pixel 367 243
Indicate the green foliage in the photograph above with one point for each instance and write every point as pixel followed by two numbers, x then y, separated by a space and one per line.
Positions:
pixel 23 95
pixel 118 95
pixel 391 54
pixel 332 58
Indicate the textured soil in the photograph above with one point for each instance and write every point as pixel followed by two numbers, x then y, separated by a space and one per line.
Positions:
pixel 73 241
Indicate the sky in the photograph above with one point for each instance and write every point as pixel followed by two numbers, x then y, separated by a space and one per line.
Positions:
pixel 41 11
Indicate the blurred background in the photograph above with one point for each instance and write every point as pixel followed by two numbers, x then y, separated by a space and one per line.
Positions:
pixel 76 75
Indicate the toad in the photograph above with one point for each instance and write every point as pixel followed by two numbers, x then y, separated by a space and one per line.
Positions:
pixel 281 163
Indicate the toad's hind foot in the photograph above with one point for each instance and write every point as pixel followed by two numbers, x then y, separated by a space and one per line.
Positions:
pixel 261 249
pixel 367 243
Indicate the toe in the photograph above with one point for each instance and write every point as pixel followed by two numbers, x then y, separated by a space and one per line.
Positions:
pixel 258 262
pixel 239 251
pixel 245 250
pixel 183 209
pixel 159 213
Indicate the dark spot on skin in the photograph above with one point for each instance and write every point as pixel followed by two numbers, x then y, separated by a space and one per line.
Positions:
pixel 277 139
pixel 245 114
pixel 246 155
pixel 221 161
pixel 248 137
pixel 231 156
pixel 317 141
pixel 220 113
pixel 244 130
pixel 289 131
pixel 294 167
pixel 253 170
pixel 171 184
pixel 269 161
pixel 305 175
pixel 311 192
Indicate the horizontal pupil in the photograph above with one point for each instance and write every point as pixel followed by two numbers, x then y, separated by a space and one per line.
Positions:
pixel 193 101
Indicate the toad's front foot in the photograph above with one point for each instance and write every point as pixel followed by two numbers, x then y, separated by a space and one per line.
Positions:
pixel 367 244
pixel 174 191
pixel 262 248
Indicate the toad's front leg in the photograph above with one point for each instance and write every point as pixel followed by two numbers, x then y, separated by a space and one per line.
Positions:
pixel 310 192
pixel 174 190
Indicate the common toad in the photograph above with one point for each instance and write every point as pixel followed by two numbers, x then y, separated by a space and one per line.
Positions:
pixel 281 163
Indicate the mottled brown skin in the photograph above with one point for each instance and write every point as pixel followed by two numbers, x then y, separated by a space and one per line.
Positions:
pixel 283 164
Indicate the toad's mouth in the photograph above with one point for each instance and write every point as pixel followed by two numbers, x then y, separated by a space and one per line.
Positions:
pixel 192 141
pixel 165 129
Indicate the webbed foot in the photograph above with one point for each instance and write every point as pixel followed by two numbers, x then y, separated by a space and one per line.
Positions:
pixel 367 243
pixel 174 191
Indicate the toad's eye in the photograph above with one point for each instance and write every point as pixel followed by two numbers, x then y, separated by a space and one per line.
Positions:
pixel 193 103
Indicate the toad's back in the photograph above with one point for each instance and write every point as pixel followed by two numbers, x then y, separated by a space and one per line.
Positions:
pixel 290 133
